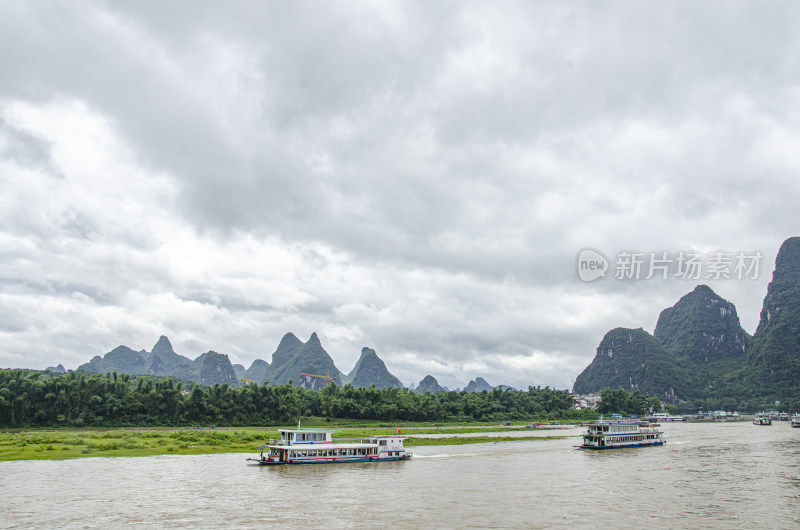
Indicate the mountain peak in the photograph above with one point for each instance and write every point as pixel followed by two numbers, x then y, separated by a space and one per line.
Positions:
pixel 294 357
pixel 163 346
pixel 702 327
pixel 428 384
pixel 258 371
pixel 703 289
pixel 479 384
pixel 634 360
pixel 367 352
pixel 775 344
pixel 121 359
pixel 215 368
pixel 289 340
pixel 371 370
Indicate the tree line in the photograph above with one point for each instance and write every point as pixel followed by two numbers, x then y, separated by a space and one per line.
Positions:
pixel 629 403
pixel 30 398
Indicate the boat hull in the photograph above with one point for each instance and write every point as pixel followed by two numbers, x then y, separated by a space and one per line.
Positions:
pixel 260 462
pixel 626 446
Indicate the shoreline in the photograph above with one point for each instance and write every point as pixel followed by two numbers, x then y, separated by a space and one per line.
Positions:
pixel 64 444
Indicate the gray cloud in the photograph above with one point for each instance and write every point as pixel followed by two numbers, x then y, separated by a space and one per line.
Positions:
pixel 414 177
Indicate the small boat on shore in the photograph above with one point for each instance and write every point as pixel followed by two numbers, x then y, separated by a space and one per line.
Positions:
pixel 315 446
pixel 620 434
pixel 762 419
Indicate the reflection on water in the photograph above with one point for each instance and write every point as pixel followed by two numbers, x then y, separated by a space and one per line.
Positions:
pixel 719 475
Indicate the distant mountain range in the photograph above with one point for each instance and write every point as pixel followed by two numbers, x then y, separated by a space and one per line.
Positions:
pixel 305 364
pixel 208 369
pixel 699 353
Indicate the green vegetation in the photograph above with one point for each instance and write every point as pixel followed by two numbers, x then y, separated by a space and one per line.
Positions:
pixel 622 402
pixel 79 443
pixel 62 444
pixel 703 329
pixel 371 370
pixel 36 399
pixel 429 384
pixel 294 357
pixel 700 358
pixel 775 351
pixel 634 359
pixel 208 369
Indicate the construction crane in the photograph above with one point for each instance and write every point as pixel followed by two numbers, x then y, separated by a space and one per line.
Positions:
pixel 328 378
pixel 245 380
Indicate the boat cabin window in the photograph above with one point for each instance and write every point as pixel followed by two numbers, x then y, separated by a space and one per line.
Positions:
pixel 305 436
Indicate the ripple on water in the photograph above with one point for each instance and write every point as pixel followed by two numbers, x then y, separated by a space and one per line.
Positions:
pixel 707 476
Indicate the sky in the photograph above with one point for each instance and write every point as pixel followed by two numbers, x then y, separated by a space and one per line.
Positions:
pixel 420 178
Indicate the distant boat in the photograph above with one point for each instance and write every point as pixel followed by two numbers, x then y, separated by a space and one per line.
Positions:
pixel 315 446
pixel 796 420
pixel 620 434
pixel 762 419
pixel 663 416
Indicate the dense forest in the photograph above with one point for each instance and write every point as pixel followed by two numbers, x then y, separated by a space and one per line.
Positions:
pixel 622 402
pixel 30 398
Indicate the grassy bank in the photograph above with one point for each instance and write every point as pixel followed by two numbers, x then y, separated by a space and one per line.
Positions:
pixel 80 443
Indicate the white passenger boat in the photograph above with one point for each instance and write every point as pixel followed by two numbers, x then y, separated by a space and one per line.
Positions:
pixel 796 420
pixel 315 446
pixel 762 419
pixel 620 434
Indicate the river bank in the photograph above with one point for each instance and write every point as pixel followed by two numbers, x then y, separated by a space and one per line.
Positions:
pixel 42 444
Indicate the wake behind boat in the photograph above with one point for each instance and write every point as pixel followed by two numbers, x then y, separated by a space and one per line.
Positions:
pixel 620 434
pixel 315 446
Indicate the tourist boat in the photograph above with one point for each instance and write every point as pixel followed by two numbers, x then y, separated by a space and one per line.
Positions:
pixel 796 420
pixel 762 419
pixel 315 446
pixel 784 416
pixel 620 434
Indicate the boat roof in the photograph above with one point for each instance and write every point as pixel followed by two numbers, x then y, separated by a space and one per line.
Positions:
pixel 307 430
pixel 308 447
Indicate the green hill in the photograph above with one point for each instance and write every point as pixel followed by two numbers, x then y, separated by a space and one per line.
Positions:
pixel 701 354
pixel 213 368
pixel 428 384
pixel 702 328
pixel 121 360
pixel 207 369
pixel 371 370
pixel 774 354
pixel 257 371
pixel 162 359
pixel 703 332
pixel 633 359
pixel 479 384
pixel 294 358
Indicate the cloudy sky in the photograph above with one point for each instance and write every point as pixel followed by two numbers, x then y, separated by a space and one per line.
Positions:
pixel 416 177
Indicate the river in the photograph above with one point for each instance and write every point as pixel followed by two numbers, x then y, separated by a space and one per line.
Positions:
pixel 708 475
